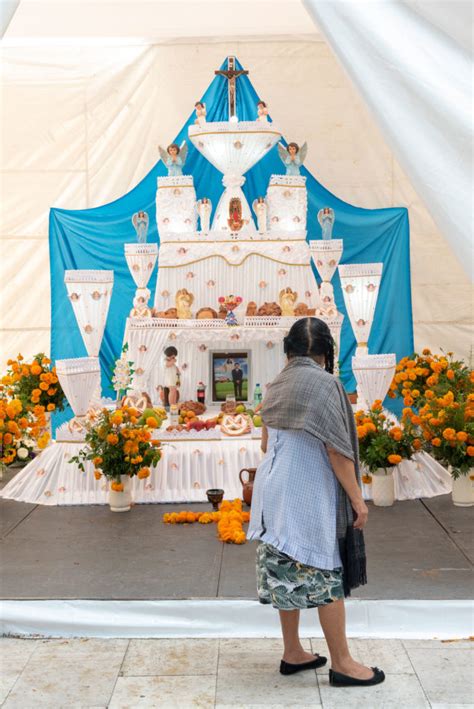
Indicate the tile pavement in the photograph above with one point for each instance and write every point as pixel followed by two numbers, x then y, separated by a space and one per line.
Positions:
pixel 230 673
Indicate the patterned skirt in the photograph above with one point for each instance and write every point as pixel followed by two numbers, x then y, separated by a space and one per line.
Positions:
pixel 289 585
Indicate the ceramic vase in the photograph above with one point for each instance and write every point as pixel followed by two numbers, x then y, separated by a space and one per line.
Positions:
pixel 247 485
pixel 383 488
pixel 463 490
pixel 121 501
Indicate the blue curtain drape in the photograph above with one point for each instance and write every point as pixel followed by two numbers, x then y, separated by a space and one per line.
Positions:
pixel 94 239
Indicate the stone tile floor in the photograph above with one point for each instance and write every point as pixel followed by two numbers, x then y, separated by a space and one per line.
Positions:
pixel 115 673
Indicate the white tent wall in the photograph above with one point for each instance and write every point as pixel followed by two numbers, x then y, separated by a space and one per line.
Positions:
pixel 81 125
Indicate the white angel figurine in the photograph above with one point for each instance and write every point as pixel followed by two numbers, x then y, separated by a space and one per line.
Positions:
pixel 326 219
pixel 174 158
pixel 327 309
pixel 200 109
pixel 262 111
pixel 260 208
pixel 140 223
pixel 292 157
pixel 204 210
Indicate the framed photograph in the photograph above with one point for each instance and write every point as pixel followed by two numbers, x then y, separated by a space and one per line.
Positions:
pixel 230 375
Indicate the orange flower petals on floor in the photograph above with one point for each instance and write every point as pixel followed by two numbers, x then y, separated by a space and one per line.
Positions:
pixel 229 519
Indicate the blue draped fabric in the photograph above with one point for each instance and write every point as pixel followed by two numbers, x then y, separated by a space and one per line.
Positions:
pixel 95 238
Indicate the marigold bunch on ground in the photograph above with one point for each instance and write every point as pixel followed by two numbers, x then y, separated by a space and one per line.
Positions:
pixel 34 383
pixel 383 444
pixel 19 430
pixel 118 445
pixel 419 378
pixel 230 519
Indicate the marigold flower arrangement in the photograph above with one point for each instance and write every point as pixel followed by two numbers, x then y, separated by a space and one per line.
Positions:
pixel 19 429
pixel 34 383
pixel 447 423
pixel 118 445
pixel 383 444
pixel 421 377
pixel 229 519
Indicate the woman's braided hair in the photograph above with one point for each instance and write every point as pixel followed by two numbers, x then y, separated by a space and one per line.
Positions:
pixel 310 337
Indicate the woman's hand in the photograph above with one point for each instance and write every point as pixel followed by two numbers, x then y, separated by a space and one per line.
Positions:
pixel 361 514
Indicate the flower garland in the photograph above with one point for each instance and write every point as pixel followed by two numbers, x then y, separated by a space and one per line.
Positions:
pixel 229 519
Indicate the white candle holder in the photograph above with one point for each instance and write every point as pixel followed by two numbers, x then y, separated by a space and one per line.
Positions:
pixel 374 374
pixel 360 286
pixel 141 260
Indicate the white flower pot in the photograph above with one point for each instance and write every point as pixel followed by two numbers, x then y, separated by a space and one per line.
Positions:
pixel 121 501
pixel 463 490
pixel 383 488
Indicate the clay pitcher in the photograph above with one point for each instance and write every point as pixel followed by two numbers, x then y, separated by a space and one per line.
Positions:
pixel 247 485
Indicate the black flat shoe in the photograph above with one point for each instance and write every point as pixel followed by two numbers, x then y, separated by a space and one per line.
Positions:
pixel 286 668
pixel 336 679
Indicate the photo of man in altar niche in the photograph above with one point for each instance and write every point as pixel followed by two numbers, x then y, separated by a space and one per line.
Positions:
pixel 230 375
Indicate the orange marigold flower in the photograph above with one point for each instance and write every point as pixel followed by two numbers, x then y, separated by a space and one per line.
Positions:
pixel 151 422
pixel 97 474
pixel 394 459
pixel 97 460
pixel 412 376
pixel 403 376
pixel 371 427
pixel 429 394
pixel 44 386
pixel 112 438
pixel 367 479
pixel 415 393
pixel 116 418
pixel 51 407
pixel 143 473
pixel 118 487
pixel 450 374
pixel 411 364
pixel 416 420
pixel 7 439
pixel 36 369
pixel 426 351
pixel 470 451
pixel 449 434
pixel 361 431
pixel 436 442
pixel 408 401
pixel 461 436
pixel 417 444
pixel 377 405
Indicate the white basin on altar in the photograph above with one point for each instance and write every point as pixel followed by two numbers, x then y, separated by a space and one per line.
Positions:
pixel 233 148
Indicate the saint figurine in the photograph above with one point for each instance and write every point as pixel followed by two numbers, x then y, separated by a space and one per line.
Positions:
pixel 200 109
pixel 326 219
pixel 204 209
pixel 235 221
pixel 174 158
pixel 140 223
pixel 292 157
pixel 260 208
pixel 262 111
pixel 169 390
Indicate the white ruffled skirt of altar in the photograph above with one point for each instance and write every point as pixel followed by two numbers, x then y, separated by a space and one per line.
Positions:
pixel 422 476
pixel 185 472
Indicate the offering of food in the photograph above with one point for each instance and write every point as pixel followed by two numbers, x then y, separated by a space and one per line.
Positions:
pixel 192 406
pixel 236 425
pixel 158 413
pixel 229 407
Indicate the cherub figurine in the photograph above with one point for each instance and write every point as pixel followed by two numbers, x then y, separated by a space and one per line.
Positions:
pixel 262 111
pixel 260 208
pixel 287 299
pixel 292 157
pixel 200 109
pixel 140 304
pixel 204 209
pixel 174 158
pixel 328 308
pixel 326 219
pixel 184 300
pixel 140 223
pixel 169 390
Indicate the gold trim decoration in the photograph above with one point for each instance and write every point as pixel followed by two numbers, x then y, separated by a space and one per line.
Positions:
pixel 253 253
pixel 232 241
pixel 366 344
pixel 293 187
pixel 175 187
pixel 233 132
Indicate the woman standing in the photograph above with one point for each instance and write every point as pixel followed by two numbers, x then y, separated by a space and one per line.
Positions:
pixel 307 507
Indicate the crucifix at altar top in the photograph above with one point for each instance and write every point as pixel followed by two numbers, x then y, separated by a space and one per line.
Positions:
pixel 231 74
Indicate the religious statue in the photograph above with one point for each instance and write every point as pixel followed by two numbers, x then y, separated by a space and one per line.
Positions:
pixel 200 109
pixel 204 209
pixel 174 158
pixel 287 300
pixel 169 389
pixel 140 304
pixel 230 303
pixel 326 219
pixel 235 220
pixel 262 111
pixel 184 300
pixel 140 223
pixel 260 208
pixel 327 309
pixel 292 157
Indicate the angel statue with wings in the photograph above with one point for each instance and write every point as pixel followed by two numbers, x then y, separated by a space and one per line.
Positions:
pixel 326 219
pixel 204 210
pixel 260 208
pixel 140 223
pixel 174 158
pixel 292 157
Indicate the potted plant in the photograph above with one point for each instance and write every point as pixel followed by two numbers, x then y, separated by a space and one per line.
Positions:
pixel 448 427
pixel 120 448
pixel 20 430
pixel 382 446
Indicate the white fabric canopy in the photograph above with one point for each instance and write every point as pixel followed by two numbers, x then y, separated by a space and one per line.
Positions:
pixel 417 83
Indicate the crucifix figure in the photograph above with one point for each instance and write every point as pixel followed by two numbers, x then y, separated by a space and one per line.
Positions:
pixel 231 74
